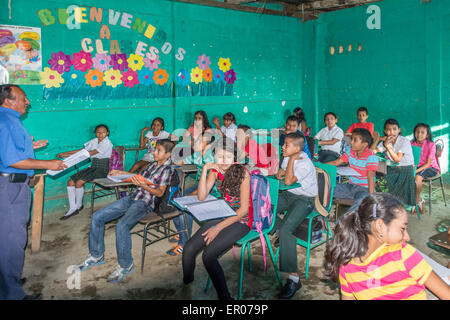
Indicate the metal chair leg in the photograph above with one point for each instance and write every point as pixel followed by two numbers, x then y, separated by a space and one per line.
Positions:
pixel 92 198
pixel 144 246
pixel 443 191
pixel 429 196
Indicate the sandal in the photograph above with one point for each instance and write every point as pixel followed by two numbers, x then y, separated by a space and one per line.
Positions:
pixel 421 206
pixel 176 250
pixel 174 239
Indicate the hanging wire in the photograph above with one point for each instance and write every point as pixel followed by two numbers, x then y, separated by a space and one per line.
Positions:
pixel 9 7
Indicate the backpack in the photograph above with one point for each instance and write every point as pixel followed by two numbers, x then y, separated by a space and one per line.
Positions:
pixel 260 206
pixel 163 204
pixel 116 161
pixel 301 231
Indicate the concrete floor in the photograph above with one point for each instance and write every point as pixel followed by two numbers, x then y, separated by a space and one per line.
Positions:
pixel 65 243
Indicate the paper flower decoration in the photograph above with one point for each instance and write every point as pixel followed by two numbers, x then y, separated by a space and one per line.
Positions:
pixel 230 76
pixel 119 61
pixel 94 78
pixel 82 61
pixel 218 76
pixel 112 77
pixel 135 62
pixel 74 78
pixel 207 75
pixel 101 62
pixel 60 62
pixel 196 75
pixel 203 62
pixel 145 77
pixel 152 64
pixel 51 78
pixel 130 78
pixel 182 78
pixel 160 76
pixel 224 64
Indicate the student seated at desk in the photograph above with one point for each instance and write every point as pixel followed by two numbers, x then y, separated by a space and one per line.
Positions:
pixel 361 159
pixel 202 155
pixel 229 127
pixel 292 125
pixel 400 179
pixel 256 155
pixel 330 138
pixel 157 133
pixel 130 210
pixel 297 203
pixel 199 126
pixel 100 150
pixel 218 236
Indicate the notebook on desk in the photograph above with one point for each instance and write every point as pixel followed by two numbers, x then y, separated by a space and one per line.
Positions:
pixel 208 209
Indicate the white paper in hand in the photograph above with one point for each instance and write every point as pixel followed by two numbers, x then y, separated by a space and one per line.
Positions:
pixel 72 160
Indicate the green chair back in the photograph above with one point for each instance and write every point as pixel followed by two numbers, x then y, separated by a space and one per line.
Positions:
pixel 417 151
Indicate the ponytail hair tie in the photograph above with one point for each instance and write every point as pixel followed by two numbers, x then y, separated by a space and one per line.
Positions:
pixel 374 211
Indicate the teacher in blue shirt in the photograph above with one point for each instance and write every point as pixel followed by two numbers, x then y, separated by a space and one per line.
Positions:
pixel 17 164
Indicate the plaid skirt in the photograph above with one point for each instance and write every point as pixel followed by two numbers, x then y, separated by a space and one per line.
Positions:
pixel 400 182
pixel 98 169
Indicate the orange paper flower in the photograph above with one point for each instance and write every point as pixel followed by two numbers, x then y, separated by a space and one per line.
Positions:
pixel 160 76
pixel 94 78
pixel 207 75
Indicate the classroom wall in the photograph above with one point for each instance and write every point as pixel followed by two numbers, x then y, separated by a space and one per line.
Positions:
pixel 265 52
pixel 402 70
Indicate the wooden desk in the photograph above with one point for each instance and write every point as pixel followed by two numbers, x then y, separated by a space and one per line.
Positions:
pixel 137 149
pixel 184 171
pixel 38 204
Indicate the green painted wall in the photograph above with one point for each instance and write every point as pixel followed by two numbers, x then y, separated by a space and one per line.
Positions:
pixel 402 71
pixel 265 52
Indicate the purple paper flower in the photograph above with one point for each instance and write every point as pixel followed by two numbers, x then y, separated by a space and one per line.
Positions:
pixel 203 62
pixel 119 61
pixel 101 61
pixel 230 76
pixel 60 62
pixel 152 64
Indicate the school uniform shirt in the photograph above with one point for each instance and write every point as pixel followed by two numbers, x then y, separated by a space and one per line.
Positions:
pixel 151 143
pixel 391 272
pixel 327 134
pixel 305 172
pixel 305 148
pixel 159 175
pixel 104 148
pixel 366 162
pixel 16 143
pixel 366 125
pixel 230 132
pixel 402 145
pixel 428 152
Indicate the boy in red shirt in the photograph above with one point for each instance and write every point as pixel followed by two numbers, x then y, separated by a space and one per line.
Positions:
pixel 362 114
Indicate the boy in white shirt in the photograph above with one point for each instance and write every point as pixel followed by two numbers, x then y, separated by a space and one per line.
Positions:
pixel 229 127
pixel 330 139
pixel 297 203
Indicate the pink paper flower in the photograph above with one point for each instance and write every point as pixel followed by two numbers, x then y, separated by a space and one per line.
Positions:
pixel 82 61
pixel 230 76
pixel 119 61
pixel 101 61
pixel 203 62
pixel 130 78
pixel 152 64
pixel 60 62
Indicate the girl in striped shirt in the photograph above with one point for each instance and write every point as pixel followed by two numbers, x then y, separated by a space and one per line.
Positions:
pixel 371 259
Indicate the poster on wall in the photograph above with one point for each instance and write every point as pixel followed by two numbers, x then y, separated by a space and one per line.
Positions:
pixel 20 54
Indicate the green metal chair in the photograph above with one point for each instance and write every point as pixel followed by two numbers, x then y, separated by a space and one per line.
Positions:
pixel 245 241
pixel 322 208
pixel 417 151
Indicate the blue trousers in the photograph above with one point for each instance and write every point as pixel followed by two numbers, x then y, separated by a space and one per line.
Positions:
pixel 15 201
pixel 130 211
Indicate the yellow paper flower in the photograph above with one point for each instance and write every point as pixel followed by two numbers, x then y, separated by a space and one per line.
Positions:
pixel 196 75
pixel 112 77
pixel 224 64
pixel 135 62
pixel 51 78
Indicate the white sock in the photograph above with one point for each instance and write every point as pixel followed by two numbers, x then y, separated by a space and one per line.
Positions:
pixel 79 192
pixel 71 196
pixel 293 278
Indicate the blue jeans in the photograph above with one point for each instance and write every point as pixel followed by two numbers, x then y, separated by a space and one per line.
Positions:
pixel 131 212
pixel 350 191
pixel 179 221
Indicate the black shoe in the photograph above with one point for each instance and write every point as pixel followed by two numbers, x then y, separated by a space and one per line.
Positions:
pixel 37 296
pixel 80 208
pixel 290 289
pixel 22 281
pixel 65 217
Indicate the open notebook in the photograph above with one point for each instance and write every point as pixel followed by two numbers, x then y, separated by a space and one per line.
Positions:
pixel 208 209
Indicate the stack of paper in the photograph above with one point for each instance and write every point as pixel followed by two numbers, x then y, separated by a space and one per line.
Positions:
pixel 208 209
